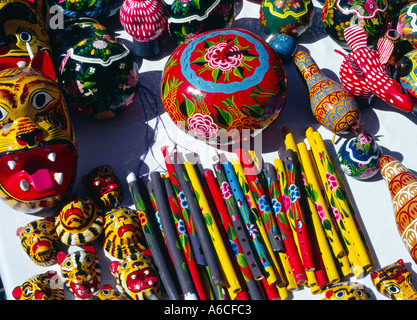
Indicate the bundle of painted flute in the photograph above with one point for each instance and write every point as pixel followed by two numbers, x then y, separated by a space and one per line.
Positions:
pixel 252 230
pixel 326 218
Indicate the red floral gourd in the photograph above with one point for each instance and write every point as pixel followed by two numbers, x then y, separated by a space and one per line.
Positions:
pixel 222 82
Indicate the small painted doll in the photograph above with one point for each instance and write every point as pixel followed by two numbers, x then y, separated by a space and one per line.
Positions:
pixel 123 233
pixel 104 186
pixel 395 282
pixel 108 293
pixel 136 276
pixel 81 271
pixel 38 153
pixel 79 221
pixel 40 241
pixel 345 291
pixel 44 286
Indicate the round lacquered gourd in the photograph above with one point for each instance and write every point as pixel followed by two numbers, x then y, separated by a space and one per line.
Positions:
pixel 87 8
pixel 223 82
pixel 358 156
pixel 371 15
pixel 99 78
pixel 292 17
pixel 189 18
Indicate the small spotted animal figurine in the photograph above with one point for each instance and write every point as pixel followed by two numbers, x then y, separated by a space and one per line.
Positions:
pixel 104 186
pixel 345 291
pixel 44 286
pixel 79 221
pixel 40 241
pixel 136 276
pixel 365 71
pixel 123 233
pixel 395 282
pixel 81 271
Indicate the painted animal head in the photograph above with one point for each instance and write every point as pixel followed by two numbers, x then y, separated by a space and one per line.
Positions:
pixel 38 153
pixel 107 292
pixel 22 28
pixel 81 271
pixel 365 71
pixel 40 241
pixel 345 291
pixel 79 221
pixel 123 233
pixel 136 276
pixel 44 286
pixel 395 282
pixel 104 186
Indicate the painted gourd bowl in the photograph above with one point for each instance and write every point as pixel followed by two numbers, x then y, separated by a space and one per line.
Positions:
pixel 292 17
pixel 358 156
pixel 407 22
pixel 222 82
pixel 187 18
pixel 87 8
pixel 99 78
pixel 407 72
pixel 76 30
pixel 371 15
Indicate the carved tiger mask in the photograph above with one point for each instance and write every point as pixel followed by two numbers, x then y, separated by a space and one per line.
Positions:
pixel 44 286
pixel 136 276
pixel 79 221
pixel 81 271
pixel 104 186
pixel 395 282
pixel 38 154
pixel 40 241
pixel 123 233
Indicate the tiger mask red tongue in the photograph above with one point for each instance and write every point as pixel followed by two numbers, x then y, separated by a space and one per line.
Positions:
pixel 38 151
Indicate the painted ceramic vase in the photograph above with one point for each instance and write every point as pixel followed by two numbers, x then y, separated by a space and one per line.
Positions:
pixel 332 105
pixel 144 20
pixel 402 185
pixel 25 22
pixel 408 24
pixel 222 82
pixel 187 18
pixel 38 154
pixel 43 286
pixel 87 8
pixel 372 15
pixel 292 17
pixel 395 281
pixel 99 78
pixel 358 156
